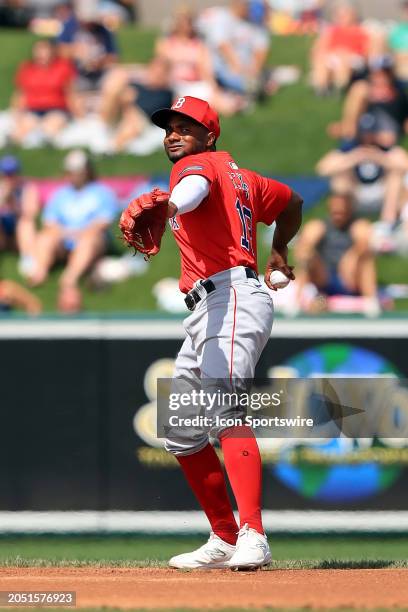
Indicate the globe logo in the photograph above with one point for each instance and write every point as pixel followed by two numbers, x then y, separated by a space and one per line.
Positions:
pixel 334 480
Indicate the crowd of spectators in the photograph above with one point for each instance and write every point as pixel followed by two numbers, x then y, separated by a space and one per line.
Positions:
pixel 368 166
pixel 221 55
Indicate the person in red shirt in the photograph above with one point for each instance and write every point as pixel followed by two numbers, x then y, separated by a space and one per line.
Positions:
pixel 44 93
pixel 343 47
pixel 214 207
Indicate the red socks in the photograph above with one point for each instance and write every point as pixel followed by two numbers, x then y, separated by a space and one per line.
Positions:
pixel 204 474
pixel 243 465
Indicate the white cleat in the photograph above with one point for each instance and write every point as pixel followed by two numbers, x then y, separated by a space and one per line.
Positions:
pixel 252 550
pixel 214 554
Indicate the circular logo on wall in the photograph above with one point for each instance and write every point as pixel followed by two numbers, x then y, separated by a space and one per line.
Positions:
pixel 335 478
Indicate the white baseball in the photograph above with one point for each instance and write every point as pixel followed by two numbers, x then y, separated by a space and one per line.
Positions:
pixel 279 279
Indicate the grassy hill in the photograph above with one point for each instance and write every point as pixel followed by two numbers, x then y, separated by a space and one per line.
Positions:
pixel 285 135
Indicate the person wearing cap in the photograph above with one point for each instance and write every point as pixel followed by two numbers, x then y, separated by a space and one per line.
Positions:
pixel 19 207
pixel 369 169
pixel 76 220
pixel 213 208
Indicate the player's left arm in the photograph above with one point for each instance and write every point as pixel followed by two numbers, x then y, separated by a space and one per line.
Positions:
pixel 288 223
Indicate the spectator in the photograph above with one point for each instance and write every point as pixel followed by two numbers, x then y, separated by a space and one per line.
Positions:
pixel 76 221
pixel 239 48
pixel 398 43
pixel 43 99
pixel 190 65
pixel 334 254
pixel 381 96
pixel 13 295
pixel 372 173
pixel 91 46
pixel 64 13
pixel 341 48
pixel 187 56
pixel 129 105
pixel 181 66
pixel 19 207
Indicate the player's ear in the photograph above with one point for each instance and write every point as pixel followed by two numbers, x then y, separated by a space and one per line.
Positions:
pixel 211 138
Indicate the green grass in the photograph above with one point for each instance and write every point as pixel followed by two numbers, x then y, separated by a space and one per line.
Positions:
pixel 330 564
pixel 140 551
pixel 285 135
pixel 294 553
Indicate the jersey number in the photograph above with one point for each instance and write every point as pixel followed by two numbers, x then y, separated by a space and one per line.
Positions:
pixel 245 215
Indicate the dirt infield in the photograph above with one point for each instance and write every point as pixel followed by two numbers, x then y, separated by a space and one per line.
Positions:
pixel 163 588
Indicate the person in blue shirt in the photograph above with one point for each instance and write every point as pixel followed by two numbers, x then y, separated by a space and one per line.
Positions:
pixel 76 221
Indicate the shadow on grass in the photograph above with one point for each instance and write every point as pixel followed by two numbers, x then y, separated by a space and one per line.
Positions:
pixel 342 564
pixel 364 564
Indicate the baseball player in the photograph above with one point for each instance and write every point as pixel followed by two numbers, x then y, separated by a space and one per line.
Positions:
pixel 213 208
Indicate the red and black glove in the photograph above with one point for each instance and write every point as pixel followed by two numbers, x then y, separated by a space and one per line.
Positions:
pixel 143 222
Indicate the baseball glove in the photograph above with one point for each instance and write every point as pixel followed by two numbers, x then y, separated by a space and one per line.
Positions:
pixel 144 220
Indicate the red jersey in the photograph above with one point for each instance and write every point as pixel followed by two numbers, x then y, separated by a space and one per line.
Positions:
pixel 44 87
pixel 221 232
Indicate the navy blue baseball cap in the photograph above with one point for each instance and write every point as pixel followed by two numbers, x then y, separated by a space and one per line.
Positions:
pixel 9 165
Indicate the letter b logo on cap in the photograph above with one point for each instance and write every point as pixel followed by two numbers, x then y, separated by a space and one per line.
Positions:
pixel 179 103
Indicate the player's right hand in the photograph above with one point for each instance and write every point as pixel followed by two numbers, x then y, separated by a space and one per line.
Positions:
pixel 278 260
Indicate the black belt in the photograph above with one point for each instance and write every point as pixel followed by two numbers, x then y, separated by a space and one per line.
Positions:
pixel 193 297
